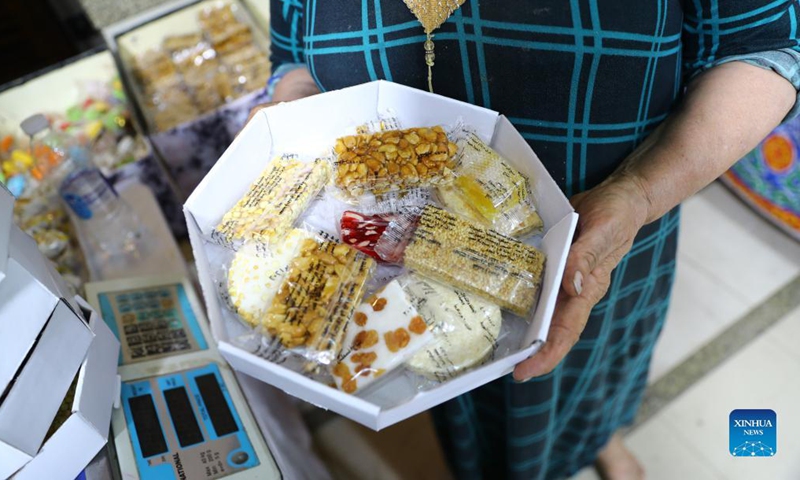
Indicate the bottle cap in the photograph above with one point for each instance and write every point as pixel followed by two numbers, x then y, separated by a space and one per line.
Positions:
pixel 34 124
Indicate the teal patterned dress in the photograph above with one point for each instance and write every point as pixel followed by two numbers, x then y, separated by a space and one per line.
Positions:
pixel 584 81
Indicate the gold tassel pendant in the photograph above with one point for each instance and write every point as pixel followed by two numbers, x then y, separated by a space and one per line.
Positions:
pixel 431 15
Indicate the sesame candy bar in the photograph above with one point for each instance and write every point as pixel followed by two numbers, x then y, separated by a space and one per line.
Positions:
pixel 475 259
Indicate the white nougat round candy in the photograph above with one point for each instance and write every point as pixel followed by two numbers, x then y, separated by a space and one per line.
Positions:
pixel 255 275
pixel 465 329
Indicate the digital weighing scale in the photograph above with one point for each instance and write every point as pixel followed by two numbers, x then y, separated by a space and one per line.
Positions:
pixel 183 415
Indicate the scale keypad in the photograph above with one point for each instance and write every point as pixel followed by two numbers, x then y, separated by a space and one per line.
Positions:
pixel 152 322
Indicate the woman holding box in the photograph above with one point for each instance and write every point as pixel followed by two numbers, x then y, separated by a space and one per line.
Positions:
pixel 633 105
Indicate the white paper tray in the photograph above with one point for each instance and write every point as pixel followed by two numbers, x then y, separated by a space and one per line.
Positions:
pixel 317 121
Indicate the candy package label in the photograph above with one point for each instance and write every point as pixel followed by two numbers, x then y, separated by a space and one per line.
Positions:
pixel 466 256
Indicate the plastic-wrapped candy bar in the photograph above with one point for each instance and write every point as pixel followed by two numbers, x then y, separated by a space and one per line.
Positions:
pixel 172 106
pixel 274 201
pixel 465 328
pixel 328 342
pixel 469 257
pixel 363 231
pixel 217 15
pixel 320 278
pixel 154 66
pixel 490 191
pixel 393 160
pixel 175 43
pixel 386 330
pixel 255 275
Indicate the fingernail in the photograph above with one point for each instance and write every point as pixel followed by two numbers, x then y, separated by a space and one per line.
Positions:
pixel 577 282
pixel 523 380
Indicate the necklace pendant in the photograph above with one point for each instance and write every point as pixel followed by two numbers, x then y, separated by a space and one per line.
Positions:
pixel 429 55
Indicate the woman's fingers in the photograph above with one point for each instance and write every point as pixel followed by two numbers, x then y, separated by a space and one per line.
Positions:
pixel 568 323
pixel 595 242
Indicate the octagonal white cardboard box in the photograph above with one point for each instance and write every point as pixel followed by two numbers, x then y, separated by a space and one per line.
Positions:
pixel 318 121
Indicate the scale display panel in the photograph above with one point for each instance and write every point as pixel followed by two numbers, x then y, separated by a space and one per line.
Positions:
pixel 185 425
pixel 152 322
pixel 182 413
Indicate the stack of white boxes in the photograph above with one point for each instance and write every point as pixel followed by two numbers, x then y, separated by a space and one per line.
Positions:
pixel 47 339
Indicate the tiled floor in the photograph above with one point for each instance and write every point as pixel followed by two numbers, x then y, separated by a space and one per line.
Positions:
pixel 689 438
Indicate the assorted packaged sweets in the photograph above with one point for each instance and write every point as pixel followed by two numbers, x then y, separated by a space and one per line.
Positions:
pixel 382 274
pixel 194 73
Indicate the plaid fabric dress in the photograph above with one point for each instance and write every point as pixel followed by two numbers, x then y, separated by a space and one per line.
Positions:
pixel 584 82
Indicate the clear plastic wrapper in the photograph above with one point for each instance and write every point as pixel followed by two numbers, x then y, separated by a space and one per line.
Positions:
pixel 310 309
pixel 393 160
pixel 174 43
pixel 464 255
pixel 194 73
pixel 274 201
pixel 230 37
pixel 172 106
pixel 488 190
pixel 214 16
pixel 362 231
pixel 385 332
pixel 196 63
pixel 255 275
pixel 153 66
pixel 465 328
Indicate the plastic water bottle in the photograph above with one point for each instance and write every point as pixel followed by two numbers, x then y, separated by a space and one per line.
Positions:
pixel 108 219
pixel 110 223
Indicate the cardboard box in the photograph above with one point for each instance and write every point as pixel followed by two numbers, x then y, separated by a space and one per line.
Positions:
pixel 317 121
pixel 85 432
pixel 39 387
pixel 6 221
pixel 59 87
pixel 28 295
pixel 191 148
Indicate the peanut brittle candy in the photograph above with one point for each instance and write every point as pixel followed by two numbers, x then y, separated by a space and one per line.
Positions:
pixel 393 160
pixel 323 276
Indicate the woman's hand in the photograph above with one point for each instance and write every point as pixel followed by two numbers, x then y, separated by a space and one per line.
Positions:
pixel 294 85
pixel 611 215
